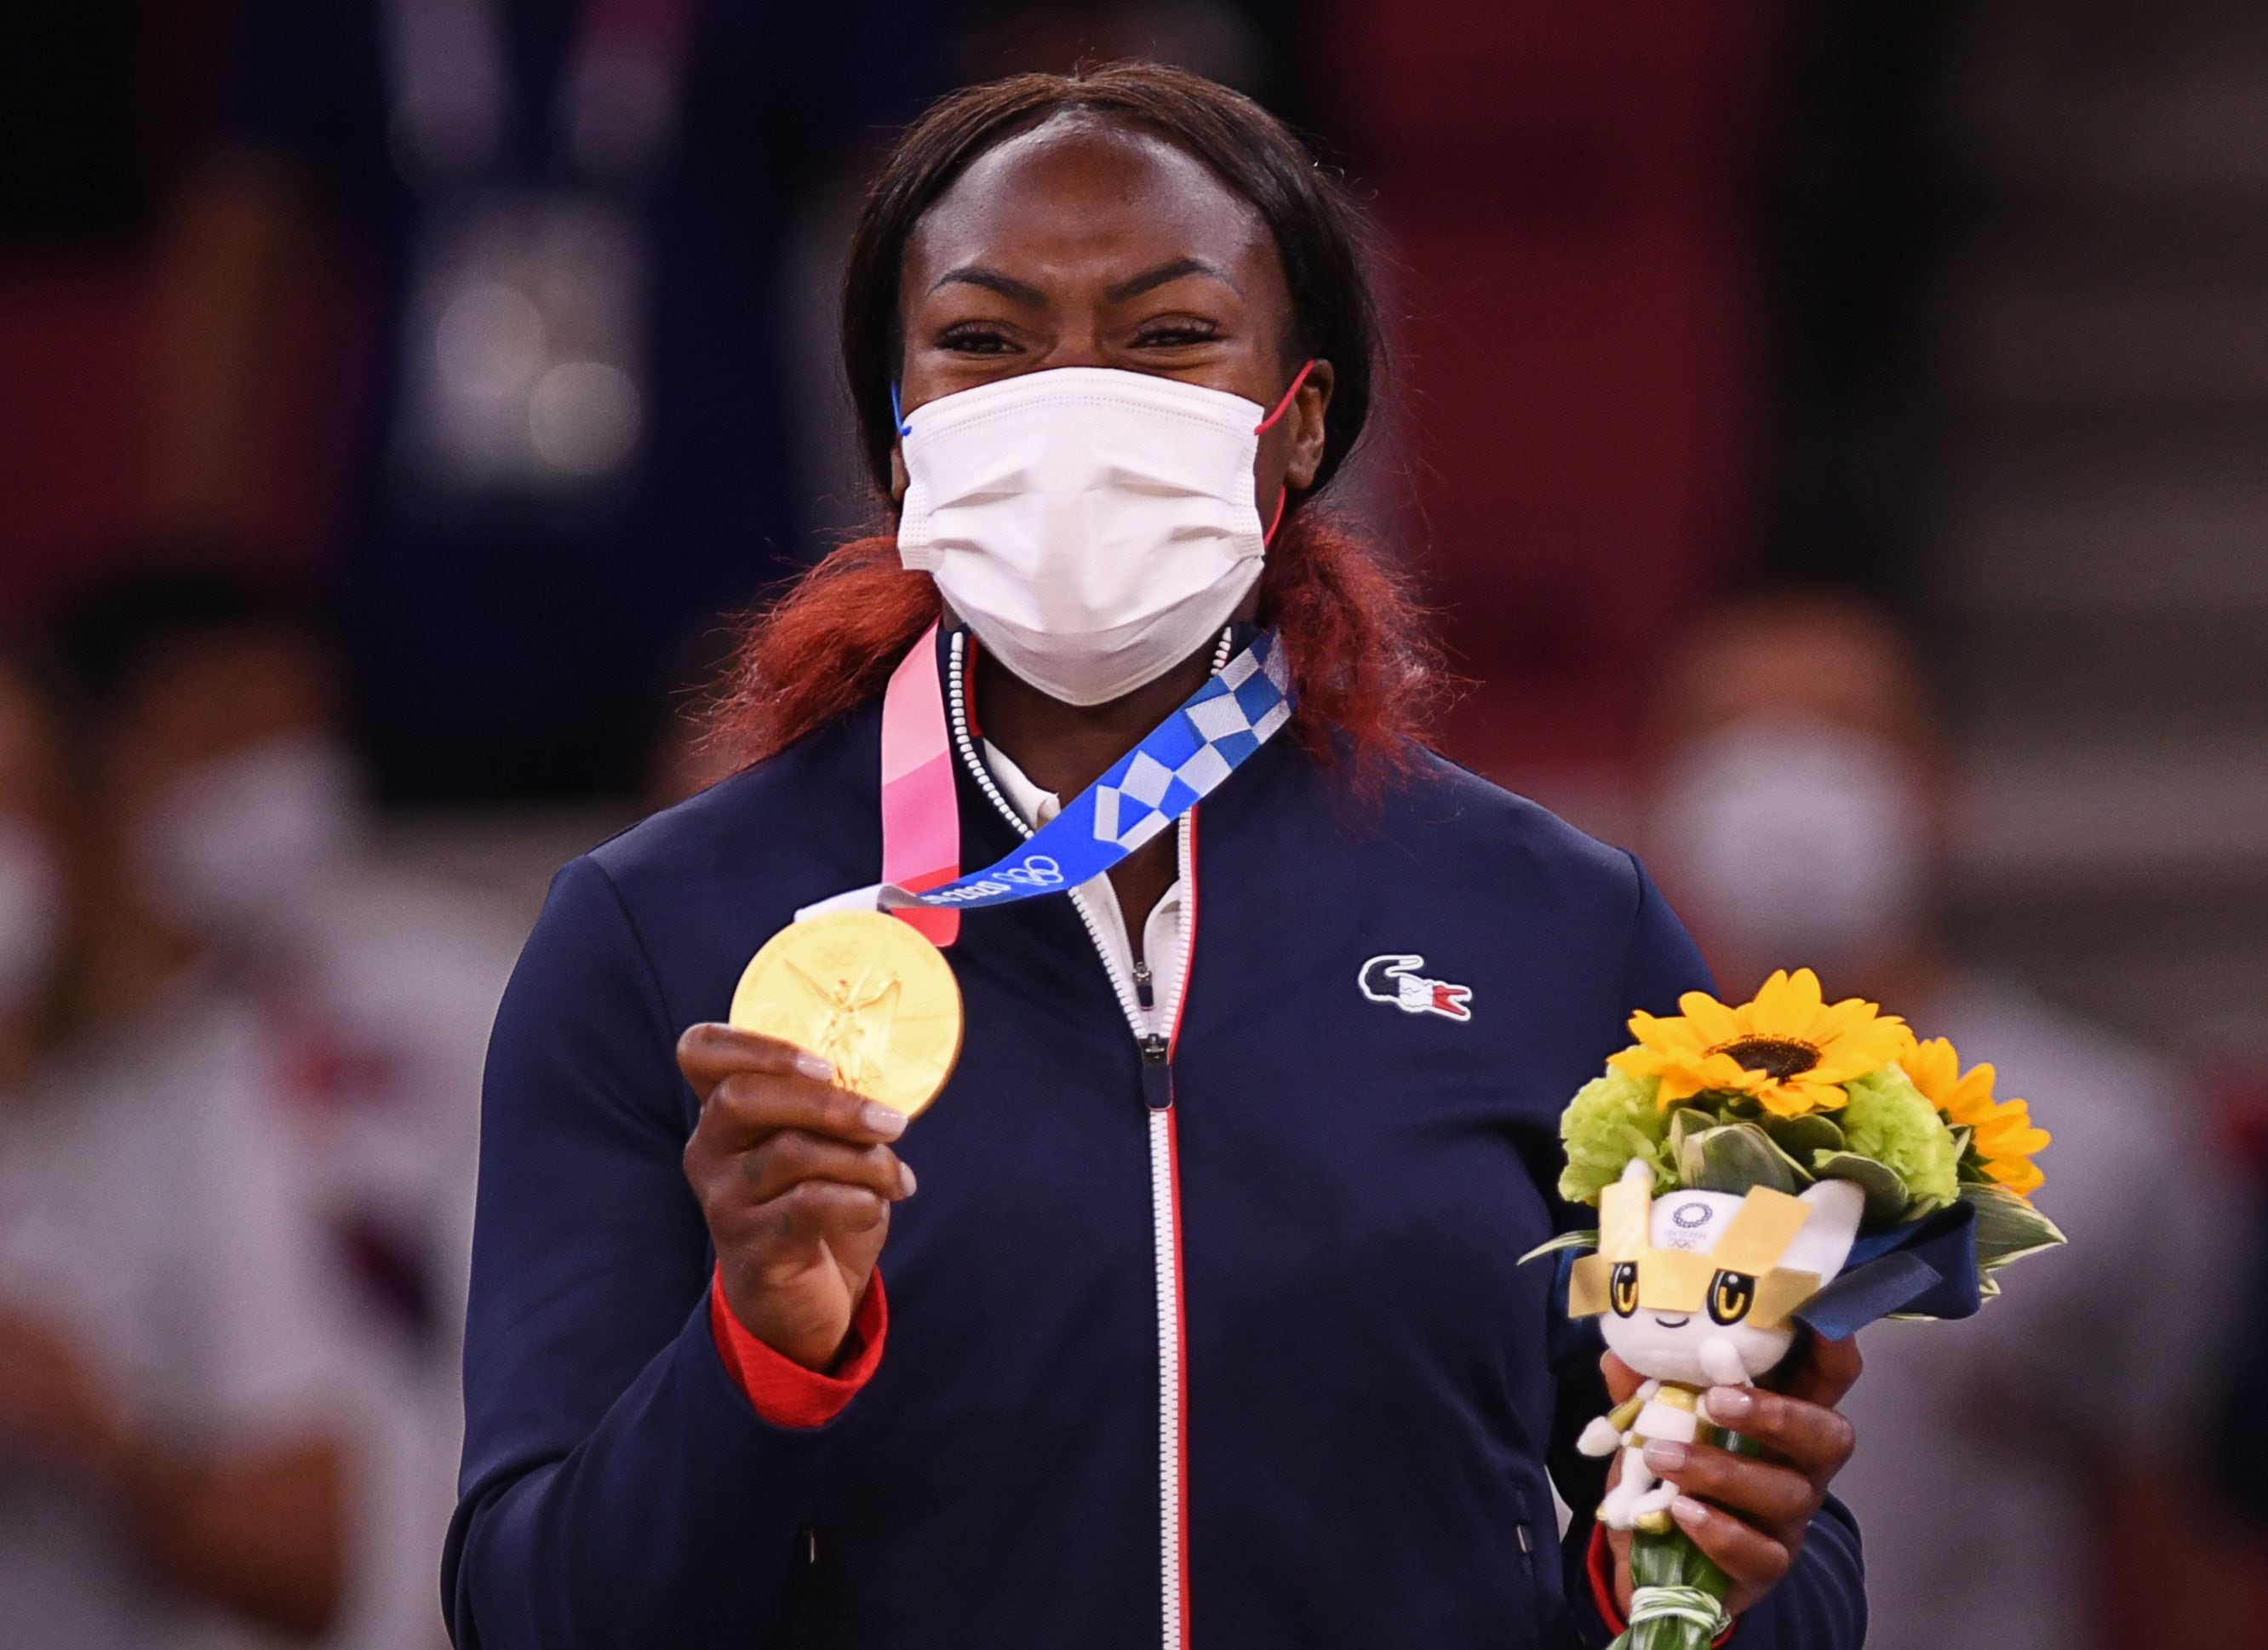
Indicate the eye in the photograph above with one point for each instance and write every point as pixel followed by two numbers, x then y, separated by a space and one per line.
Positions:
pixel 1179 332
pixel 1731 1294
pixel 1622 1288
pixel 974 338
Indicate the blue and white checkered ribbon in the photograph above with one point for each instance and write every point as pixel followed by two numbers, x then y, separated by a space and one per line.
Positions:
pixel 1183 760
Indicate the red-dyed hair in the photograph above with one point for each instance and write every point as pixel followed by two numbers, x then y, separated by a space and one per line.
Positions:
pixel 1355 638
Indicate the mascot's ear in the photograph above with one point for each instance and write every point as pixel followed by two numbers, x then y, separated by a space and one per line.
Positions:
pixel 1822 1243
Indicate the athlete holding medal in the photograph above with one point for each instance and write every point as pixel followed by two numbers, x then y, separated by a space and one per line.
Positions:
pixel 1207 1316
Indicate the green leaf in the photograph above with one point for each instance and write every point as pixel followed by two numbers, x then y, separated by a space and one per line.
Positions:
pixel 1736 1158
pixel 1803 1138
pixel 2007 1228
pixel 1798 1174
pixel 1686 1122
pixel 1564 1240
pixel 1888 1200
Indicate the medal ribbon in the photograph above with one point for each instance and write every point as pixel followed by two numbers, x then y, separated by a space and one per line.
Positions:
pixel 921 817
pixel 1181 761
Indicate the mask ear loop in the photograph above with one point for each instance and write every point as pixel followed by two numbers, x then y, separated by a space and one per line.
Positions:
pixel 1282 407
pixel 898 418
pixel 1284 497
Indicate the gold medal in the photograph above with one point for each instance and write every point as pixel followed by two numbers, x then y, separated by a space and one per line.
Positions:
pixel 864 991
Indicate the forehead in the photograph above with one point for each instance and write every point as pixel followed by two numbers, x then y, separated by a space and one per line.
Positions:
pixel 1813 660
pixel 1076 191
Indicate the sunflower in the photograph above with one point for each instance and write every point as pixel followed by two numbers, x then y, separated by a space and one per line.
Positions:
pixel 2001 1134
pixel 1787 1050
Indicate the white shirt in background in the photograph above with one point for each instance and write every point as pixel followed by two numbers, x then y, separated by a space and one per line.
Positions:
pixel 377 1000
pixel 1979 1441
pixel 144 1207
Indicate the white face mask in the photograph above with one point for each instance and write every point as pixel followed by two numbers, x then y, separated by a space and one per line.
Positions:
pixel 1795 842
pixel 236 840
pixel 1095 527
pixel 31 913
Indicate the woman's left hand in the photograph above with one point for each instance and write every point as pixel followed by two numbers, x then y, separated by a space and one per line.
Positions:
pixel 1751 1512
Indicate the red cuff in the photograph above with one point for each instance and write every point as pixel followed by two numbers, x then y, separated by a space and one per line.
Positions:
pixel 782 1391
pixel 1600 1563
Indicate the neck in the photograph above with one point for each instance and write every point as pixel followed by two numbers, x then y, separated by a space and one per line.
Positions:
pixel 1908 984
pixel 1066 747
pixel 129 957
pixel 1903 982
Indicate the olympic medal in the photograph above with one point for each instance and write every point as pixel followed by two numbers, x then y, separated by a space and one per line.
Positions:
pixel 865 992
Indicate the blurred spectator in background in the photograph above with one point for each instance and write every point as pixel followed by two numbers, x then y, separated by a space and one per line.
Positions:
pixel 170 1450
pixel 567 223
pixel 2024 1479
pixel 368 995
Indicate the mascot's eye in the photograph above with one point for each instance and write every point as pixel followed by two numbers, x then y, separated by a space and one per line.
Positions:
pixel 1731 1294
pixel 1622 1288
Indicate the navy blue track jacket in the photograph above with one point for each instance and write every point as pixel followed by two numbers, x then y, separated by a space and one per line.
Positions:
pixel 1366 1402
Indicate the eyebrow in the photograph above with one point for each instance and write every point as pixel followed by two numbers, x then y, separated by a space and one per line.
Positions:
pixel 1031 297
pixel 992 280
pixel 1134 285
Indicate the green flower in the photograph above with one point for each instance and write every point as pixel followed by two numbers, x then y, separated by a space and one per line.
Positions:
pixel 1889 1120
pixel 1611 1120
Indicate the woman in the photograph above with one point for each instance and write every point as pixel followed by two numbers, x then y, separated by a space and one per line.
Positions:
pixel 1207 1315
pixel 172 1468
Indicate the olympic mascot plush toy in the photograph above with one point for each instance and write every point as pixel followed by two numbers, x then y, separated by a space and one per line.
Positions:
pixel 1782 1164
pixel 1694 1291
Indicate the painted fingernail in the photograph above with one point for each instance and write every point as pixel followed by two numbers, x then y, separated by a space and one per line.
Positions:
pixel 1689 1511
pixel 906 1181
pixel 1666 1456
pixel 883 1121
pixel 816 1067
pixel 1731 1404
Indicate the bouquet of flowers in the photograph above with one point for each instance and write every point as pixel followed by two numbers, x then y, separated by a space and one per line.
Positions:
pixel 1784 1162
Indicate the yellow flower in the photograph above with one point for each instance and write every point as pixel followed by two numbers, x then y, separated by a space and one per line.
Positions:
pixel 1788 1049
pixel 2002 1132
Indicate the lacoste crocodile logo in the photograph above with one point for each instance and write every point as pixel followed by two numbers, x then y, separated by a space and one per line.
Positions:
pixel 1394 979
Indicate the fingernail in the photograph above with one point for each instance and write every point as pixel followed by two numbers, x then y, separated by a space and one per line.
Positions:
pixel 1666 1456
pixel 883 1121
pixel 818 1068
pixel 1730 1403
pixel 906 1181
pixel 1689 1511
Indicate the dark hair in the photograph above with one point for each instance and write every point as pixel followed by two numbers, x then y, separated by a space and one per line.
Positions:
pixel 102 645
pixel 1320 233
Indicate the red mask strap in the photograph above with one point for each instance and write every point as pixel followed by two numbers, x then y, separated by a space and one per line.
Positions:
pixel 1275 521
pixel 1262 427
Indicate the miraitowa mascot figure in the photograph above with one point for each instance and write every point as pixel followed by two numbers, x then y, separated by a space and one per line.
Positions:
pixel 1696 1290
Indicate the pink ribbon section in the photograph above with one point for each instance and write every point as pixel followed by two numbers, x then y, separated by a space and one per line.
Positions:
pixel 921 815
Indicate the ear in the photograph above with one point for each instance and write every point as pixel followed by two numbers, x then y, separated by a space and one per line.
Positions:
pixel 1305 457
pixel 1625 1210
pixel 1824 1242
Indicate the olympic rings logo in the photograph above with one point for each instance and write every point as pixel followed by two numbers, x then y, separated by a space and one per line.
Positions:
pixel 1038 872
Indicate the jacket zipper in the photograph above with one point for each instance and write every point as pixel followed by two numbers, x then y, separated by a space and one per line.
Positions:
pixel 1156 1052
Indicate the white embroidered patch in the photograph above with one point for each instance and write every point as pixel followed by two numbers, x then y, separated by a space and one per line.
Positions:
pixel 1393 978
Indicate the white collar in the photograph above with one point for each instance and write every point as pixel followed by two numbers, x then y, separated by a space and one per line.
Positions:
pixel 1037 807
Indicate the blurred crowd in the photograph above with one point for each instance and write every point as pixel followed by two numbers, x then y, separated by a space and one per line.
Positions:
pixel 487 367
pixel 241 1071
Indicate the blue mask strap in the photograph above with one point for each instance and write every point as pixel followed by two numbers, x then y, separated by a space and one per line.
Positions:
pixel 898 418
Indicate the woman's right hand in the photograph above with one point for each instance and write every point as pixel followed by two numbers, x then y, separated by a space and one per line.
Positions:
pixel 796 1178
